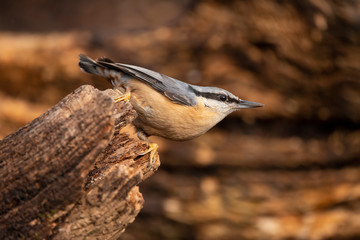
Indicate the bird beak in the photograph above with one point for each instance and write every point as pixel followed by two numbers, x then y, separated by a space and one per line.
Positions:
pixel 248 104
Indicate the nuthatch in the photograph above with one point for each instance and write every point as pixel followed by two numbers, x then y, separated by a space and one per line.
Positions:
pixel 165 106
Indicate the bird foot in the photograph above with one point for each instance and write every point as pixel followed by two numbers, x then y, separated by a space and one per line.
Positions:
pixel 152 150
pixel 123 96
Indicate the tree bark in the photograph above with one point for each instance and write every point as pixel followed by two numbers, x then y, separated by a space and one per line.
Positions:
pixel 70 173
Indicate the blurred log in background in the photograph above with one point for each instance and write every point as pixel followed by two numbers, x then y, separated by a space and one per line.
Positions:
pixel 289 170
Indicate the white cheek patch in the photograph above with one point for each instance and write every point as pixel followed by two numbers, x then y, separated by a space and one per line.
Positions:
pixel 210 103
pixel 217 106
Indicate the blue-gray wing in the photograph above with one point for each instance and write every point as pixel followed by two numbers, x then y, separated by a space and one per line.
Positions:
pixel 177 91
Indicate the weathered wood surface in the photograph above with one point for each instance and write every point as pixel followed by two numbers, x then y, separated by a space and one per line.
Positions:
pixel 45 166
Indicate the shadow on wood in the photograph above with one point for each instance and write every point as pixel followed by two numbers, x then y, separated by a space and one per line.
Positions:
pixel 70 174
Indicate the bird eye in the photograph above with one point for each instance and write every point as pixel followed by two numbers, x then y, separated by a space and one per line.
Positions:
pixel 222 97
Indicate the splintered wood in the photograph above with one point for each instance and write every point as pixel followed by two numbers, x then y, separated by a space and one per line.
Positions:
pixel 70 173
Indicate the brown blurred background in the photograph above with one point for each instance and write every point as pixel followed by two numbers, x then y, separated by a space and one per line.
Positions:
pixel 289 170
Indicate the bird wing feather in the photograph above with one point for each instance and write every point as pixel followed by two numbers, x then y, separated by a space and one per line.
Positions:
pixel 171 88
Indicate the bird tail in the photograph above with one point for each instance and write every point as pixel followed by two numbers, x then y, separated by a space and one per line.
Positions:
pixel 89 65
pixel 102 67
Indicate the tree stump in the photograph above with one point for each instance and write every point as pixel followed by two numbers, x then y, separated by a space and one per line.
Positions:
pixel 70 173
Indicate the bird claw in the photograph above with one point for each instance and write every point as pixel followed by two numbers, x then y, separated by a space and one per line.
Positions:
pixel 123 97
pixel 152 150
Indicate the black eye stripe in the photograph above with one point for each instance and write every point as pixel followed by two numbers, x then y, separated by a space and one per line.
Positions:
pixel 216 96
pixel 232 100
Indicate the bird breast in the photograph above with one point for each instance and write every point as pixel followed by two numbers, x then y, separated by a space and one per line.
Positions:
pixel 158 115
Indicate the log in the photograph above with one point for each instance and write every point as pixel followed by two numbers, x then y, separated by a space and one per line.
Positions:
pixel 70 173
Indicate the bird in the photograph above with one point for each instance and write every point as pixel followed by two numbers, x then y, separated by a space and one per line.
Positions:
pixel 165 106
